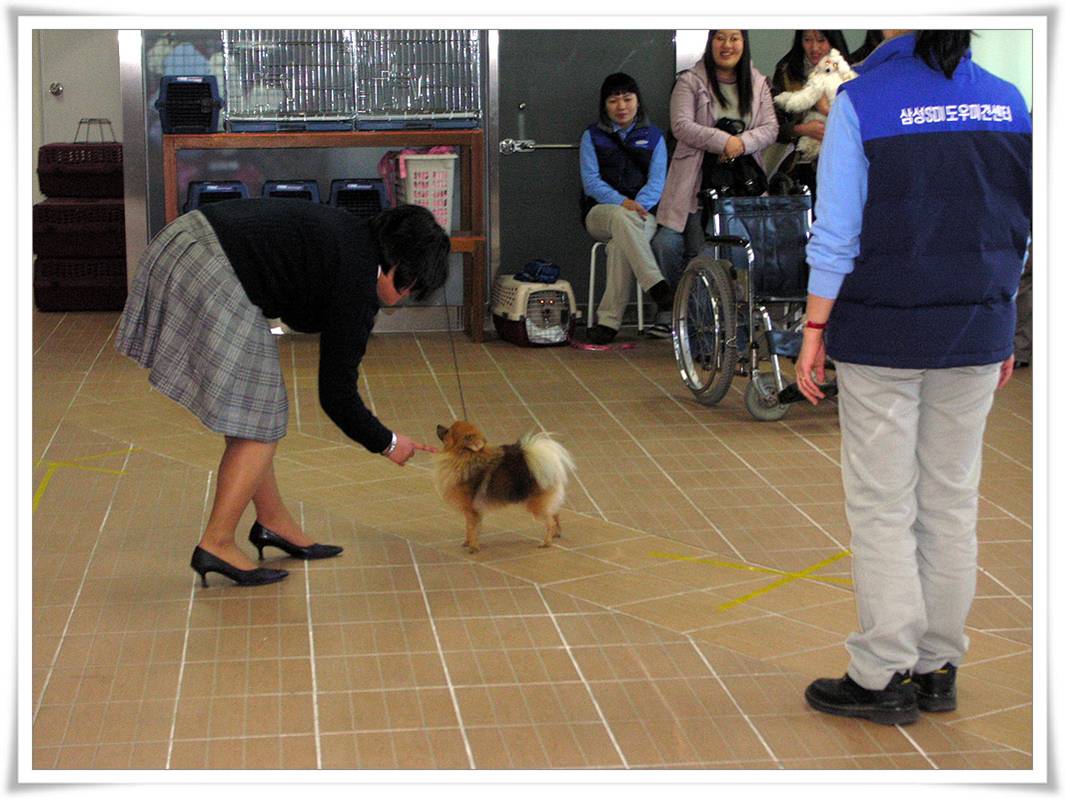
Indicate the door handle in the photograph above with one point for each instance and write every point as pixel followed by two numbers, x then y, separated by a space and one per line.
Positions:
pixel 508 146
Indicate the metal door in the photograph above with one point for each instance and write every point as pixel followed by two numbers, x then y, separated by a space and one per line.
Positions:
pixel 548 92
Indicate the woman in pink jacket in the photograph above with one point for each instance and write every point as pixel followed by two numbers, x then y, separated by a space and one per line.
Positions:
pixel 722 85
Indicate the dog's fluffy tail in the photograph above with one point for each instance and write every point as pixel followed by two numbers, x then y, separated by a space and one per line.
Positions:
pixel 549 461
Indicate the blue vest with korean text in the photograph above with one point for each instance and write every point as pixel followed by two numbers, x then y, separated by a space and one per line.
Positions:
pixel 625 164
pixel 946 219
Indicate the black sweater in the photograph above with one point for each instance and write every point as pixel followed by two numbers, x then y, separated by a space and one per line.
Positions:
pixel 315 268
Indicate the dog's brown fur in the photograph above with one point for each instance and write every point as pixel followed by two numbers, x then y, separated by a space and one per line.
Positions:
pixel 474 477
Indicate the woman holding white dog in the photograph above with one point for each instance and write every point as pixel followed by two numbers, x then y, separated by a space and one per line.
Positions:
pixel 791 73
pixel 723 85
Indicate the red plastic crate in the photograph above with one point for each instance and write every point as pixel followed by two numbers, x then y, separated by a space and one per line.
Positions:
pixel 74 228
pixel 79 284
pixel 80 169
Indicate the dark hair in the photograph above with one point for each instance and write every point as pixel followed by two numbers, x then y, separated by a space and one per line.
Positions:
pixel 794 57
pixel 414 245
pixel 619 83
pixel 744 84
pixel 873 37
pixel 942 50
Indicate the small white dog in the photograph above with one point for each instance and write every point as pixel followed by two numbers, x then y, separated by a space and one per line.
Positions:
pixel 830 72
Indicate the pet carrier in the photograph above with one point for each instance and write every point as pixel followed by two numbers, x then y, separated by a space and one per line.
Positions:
pixel 363 197
pixel 533 314
pixel 425 179
pixel 201 192
pixel 79 284
pixel 417 79
pixel 292 189
pixel 81 168
pixel 79 228
pixel 288 80
pixel 188 103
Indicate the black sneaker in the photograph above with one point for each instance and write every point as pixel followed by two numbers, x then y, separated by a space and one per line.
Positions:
pixel 659 330
pixel 601 334
pixel 935 690
pixel 895 704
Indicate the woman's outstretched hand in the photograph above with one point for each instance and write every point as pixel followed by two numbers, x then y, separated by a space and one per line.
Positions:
pixel 405 449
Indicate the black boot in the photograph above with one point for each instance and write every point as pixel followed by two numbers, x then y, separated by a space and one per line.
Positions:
pixel 896 703
pixel 936 690
pixel 601 334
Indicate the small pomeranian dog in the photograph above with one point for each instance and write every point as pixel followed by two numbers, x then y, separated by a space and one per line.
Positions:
pixel 474 477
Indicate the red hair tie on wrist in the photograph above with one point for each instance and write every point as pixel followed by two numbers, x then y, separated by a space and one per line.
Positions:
pixel 816 325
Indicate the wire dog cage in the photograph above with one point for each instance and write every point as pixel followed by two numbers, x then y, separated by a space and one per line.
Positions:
pixel 340 79
pixel 289 79
pixel 417 78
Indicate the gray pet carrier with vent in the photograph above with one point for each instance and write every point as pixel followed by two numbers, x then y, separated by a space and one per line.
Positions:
pixel 533 314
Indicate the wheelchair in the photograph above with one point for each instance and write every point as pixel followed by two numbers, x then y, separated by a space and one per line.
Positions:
pixel 742 320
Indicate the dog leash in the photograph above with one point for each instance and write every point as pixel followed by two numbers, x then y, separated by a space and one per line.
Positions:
pixel 454 355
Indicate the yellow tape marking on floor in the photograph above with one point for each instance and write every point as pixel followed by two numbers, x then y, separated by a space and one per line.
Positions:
pixel 724 564
pixel 44 484
pixel 804 574
pixel 75 463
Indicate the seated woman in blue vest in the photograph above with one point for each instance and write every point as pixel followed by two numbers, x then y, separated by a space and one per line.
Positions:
pixel 623 169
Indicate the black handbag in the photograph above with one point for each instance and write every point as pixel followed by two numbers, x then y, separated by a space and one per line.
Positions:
pixel 740 177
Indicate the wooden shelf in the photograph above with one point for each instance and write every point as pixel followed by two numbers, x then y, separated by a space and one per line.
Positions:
pixel 469 241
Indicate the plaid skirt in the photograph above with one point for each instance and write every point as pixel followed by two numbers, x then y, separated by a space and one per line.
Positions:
pixel 189 321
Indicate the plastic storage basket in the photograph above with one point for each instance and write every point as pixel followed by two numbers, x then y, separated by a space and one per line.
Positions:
pixel 78 228
pixel 426 179
pixel 79 284
pixel 82 168
pixel 533 314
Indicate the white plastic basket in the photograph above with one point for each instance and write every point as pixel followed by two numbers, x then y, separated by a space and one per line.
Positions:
pixel 428 182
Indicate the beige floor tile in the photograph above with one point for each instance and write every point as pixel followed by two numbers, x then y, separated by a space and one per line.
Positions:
pixel 695 611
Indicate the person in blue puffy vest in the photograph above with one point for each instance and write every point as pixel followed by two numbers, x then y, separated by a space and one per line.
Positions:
pixel 923 217
pixel 623 169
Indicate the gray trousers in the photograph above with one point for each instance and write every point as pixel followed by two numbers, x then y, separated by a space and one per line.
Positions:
pixel 911 446
pixel 628 255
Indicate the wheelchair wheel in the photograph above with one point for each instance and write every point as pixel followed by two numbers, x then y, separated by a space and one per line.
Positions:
pixel 761 408
pixel 704 329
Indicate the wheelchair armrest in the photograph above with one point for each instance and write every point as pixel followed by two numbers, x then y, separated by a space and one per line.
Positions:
pixel 733 241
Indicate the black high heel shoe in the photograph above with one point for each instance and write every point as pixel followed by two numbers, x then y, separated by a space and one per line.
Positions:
pixel 203 562
pixel 265 537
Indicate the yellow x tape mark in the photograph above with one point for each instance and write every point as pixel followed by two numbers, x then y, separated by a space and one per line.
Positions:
pixel 787 577
pixel 55 466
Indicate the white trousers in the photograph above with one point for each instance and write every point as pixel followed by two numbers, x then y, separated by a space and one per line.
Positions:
pixel 628 255
pixel 911 446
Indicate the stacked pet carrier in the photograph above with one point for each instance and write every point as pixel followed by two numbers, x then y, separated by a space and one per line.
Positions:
pixel 79 232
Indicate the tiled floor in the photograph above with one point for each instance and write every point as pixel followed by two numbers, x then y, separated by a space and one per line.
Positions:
pixel 701 581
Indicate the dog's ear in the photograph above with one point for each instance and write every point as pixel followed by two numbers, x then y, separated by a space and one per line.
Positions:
pixel 441 431
pixel 473 442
